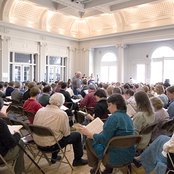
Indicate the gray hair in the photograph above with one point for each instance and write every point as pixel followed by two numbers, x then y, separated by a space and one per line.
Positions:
pixel 17 84
pixel 92 87
pixel 57 99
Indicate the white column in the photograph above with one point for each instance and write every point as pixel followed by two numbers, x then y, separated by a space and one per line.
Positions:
pixel 87 61
pixel 42 60
pixel 71 60
pixel 4 58
pixel 120 62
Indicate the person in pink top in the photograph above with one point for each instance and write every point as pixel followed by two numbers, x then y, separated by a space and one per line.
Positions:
pixel 31 105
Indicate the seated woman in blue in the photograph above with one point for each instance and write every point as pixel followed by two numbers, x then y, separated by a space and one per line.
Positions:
pixel 118 124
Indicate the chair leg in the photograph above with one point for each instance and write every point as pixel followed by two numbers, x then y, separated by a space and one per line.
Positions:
pixel 11 168
pixel 98 167
pixel 64 156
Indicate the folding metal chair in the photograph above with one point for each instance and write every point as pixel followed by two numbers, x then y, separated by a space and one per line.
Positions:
pixel 9 163
pixel 145 131
pixel 148 129
pixel 170 163
pixel 26 135
pixel 120 142
pixel 29 114
pixel 6 119
pixel 44 132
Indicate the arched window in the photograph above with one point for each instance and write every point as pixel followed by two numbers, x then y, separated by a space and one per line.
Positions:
pixel 162 65
pixel 109 68
pixel 163 52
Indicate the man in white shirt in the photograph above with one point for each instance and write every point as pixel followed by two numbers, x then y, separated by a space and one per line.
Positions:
pixel 51 116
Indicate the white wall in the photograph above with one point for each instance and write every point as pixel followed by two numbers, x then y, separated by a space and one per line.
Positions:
pixel 83 55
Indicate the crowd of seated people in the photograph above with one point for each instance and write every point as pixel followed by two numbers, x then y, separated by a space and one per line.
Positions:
pixel 151 103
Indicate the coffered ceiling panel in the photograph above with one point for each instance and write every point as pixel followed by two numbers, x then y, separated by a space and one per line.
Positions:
pixel 88 18
pixel 149 12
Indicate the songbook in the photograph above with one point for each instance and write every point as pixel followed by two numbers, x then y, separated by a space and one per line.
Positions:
pixel 63 108
pixel 70 91
pixel 14 128
pixel 96 126
pixel 86 91
pixel 75 100
pixel 4 108
pixel 130 110
pixel 7 103
pixel 8 97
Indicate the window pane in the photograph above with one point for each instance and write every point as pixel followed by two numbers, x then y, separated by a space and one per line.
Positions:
pixel 104 74
pixel 169 70
pixel 140 73
pixel 17 73
pixel 163 52
pixel 11 72
pixel 11 56
pixel 109 57
pixel 26 73
pixel 51 75
pixel 57 74
pixel 55 61
pixel 112 74
pixel 19 57
pixel 156 72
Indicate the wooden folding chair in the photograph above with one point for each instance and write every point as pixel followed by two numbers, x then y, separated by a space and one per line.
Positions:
pixel 120 142
pixel 9 163
pixel 44 132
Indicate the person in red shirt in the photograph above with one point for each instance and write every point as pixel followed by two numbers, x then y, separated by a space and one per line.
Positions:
pixel 31 105
pixel 89 100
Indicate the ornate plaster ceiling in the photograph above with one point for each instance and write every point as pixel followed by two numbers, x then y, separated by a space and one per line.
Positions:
pixel 88 18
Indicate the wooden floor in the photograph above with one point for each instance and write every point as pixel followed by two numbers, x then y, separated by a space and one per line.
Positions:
pixel 64 168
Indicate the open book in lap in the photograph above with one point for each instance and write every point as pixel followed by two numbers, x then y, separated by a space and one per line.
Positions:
pixel 14 128
pixel 96 126
pixel 130 110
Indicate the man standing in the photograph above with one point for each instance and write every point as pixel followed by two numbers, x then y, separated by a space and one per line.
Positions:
pixel 76 83
pixel 51 116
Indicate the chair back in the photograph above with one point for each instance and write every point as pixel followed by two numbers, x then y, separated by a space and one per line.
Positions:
pixel 148 129
pixel 41 130
pixel 14 109
pixel 170 163
pixel 6 119
pixel 29 114
pixel 124 141
pixel 166 124
pixel 17 122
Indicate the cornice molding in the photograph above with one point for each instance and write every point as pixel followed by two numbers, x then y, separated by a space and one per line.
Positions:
pixel 42 44
pixel 6 38
pixel 121 45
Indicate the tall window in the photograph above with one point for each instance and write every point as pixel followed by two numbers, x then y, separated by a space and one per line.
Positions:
pixel 141 73
pixel 162 65
pixel 109 68
pixel 55 68
pixel 22 67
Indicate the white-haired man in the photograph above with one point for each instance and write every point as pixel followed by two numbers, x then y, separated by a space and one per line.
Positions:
pixel 51 116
